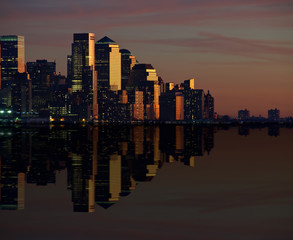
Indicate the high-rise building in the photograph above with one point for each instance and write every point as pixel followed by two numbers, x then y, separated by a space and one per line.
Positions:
pixel 41 73
pixel 138 106
pixel 127 63
pixel 12 58
pixel 69 69
pixel 193 104
pixel 243 115
pixel 209 106
pixel 143 77
pixel 84 77
pixel 172 106
pixel 83 59
pixel 108 64
pixel 274 115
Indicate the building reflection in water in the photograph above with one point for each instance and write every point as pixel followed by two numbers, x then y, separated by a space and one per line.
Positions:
pixel 103 163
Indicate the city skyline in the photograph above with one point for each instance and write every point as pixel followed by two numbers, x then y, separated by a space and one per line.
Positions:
pixel 240 51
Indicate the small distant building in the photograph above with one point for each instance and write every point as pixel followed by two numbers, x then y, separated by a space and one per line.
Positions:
pixel 209 106
pixel 274 115
pixel 243 115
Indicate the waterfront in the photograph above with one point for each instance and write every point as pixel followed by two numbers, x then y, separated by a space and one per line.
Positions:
pixel 159 182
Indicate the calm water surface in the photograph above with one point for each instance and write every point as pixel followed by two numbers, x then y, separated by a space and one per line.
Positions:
pixel 146 182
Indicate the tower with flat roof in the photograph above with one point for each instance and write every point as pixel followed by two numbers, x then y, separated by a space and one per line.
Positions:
pixel 83 59
pixel 12 58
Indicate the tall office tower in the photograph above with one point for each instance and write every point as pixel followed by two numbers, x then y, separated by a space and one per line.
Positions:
pixel 84 77
pixel 274 115
pixel 69 69
pixel 83 59
pixel 127 63
pixel 209 106
pixel 41 73
pixel 108 64
pixel 143 77
pixel 243 115
pixel 12 58
pixel 193 104
pixel 189 84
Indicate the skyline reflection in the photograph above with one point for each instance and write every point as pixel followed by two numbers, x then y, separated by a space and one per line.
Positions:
pixel 103 163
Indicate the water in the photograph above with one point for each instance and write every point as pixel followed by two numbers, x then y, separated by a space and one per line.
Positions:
pixel 146 182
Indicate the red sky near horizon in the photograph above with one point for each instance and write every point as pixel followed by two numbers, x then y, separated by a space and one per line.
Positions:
pixel 242 51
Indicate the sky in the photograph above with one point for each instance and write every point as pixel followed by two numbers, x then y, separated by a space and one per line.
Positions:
pixel 242 51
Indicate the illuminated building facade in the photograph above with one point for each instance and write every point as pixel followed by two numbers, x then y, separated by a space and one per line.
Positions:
pixel 189 84
pixel 108 64
pixel 12 58
pixel 83 59
pixel 143 77
pixel 172 106
pixel 84 77
pixel 193 104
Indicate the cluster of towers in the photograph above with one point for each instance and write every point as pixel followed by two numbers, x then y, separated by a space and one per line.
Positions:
pixel 273 116
pixel 103 84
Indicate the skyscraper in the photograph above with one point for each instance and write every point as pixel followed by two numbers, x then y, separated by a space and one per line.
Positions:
pixel 83 59
pixel 127 63
pixel 108 64
pixel 209 106
pixel 144 77
pixel 193 104
pixel 84 76
pixel 12 58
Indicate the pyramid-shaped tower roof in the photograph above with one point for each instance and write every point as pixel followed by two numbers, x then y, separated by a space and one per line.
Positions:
pixel 106 40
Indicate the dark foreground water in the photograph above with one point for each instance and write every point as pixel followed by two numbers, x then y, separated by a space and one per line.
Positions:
pixel 146 182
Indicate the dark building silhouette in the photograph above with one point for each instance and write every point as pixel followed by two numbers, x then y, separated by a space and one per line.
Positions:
pixel 69 71
pixel 274 115
pixel 41 73
pixel 243 115
pixel 172 106
pixel 209 106
pixel 127 63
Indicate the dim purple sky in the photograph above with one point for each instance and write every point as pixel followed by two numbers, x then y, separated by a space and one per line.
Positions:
pixel 242 51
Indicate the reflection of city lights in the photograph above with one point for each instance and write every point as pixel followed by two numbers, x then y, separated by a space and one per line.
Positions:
pixel 83 120
pixel 62 119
